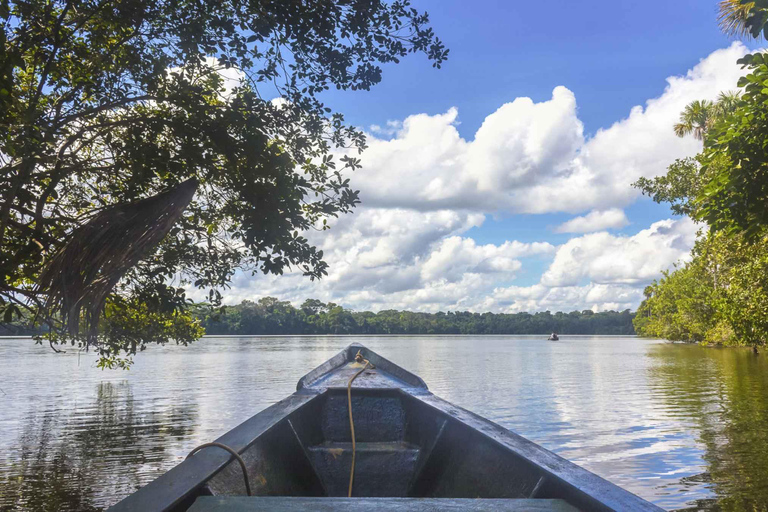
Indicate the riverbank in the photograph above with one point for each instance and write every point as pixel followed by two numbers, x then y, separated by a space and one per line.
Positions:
pixel 269 316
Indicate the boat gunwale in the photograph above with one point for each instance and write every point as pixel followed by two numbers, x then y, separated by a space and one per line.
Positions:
pixel 548 462
pixel 177 484
pixel 312 379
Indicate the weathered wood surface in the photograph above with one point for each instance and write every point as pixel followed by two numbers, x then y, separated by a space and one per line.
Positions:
pixel 336 372
pixel 297 456
pixel 173 487
pixel 571 480
pixel 286 504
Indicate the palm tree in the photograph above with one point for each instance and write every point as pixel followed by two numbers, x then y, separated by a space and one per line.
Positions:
pixel 696 119
pixel 732 17
pixel 700 115
pixel 727 102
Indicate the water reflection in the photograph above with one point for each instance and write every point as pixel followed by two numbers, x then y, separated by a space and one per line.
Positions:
pixel 44 478
pixel 682 426
pixel 72 460
pixel 724 393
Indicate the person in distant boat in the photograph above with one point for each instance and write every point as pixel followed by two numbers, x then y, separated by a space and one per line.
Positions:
pixel 553 337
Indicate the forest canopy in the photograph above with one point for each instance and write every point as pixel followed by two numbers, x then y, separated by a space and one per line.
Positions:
pixel 273 316
pixel 720 296
pixel 270 315
pixel 131 170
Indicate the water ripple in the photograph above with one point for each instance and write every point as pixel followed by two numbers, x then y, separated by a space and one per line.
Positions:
pixel 681 426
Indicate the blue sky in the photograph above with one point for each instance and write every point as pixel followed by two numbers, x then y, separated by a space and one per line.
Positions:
pixel 534 211
pixel 612 55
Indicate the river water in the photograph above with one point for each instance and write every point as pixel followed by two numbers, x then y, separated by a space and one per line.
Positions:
pixel 682 426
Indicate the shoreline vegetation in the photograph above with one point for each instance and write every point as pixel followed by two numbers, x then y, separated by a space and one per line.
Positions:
pixel 270 315
pixel 119 177
pixel 719 296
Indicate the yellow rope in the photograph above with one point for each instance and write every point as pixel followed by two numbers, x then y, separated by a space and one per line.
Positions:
pixel 359 358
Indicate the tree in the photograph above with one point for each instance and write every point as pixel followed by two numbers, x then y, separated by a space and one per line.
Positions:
pixel 700 115
pixel 720 295
pixel 735 157
pixel 131 169
pixel 313 307
pixel 696 119
pixel 733 15
pixel 686 303
pixel 686 178
pixel 272 316
pixel 678 187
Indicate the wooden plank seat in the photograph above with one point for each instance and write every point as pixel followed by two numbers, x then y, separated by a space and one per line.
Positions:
pixel 294 504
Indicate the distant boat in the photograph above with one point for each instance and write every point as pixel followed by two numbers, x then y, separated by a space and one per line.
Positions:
pixel 409 450
pixel 553 337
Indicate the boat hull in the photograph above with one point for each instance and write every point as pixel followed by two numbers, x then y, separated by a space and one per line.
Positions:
pixel 409 444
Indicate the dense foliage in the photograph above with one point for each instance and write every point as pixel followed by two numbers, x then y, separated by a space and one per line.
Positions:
pixel 721 295
pixel 131 170
pixel 272 316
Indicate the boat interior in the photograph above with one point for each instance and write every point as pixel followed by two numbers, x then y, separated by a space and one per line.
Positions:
pixel 413 451
pixel 403 450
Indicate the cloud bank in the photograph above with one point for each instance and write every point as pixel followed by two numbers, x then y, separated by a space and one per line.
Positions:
pixel 426 192
pixel 525 153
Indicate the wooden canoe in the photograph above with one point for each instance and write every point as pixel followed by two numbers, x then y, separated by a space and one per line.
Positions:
pixel 414 451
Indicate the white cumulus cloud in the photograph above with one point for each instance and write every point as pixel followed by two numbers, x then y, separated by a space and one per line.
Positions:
pixel 597 297
pixel 600 271
pixel 455 256
pixel 426 190
pixel 595 221
pixel 400 258
pixel 605 258
pixel 525 153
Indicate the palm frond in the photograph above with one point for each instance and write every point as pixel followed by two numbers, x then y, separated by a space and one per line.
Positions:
pixel 83 273
pixel 696 118
pixel 683 129
pixel 732 17
pixel 727 102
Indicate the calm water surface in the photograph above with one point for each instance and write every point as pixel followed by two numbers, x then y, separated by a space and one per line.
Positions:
pixel 682 426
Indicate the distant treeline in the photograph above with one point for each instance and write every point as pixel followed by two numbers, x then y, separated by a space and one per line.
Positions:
pixel 272 316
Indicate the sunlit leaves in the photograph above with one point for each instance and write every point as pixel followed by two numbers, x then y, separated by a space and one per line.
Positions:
pixel 108 103
pixel 714 298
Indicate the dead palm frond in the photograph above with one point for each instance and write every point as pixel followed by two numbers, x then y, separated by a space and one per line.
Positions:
pixel 732 17
pixel 82 274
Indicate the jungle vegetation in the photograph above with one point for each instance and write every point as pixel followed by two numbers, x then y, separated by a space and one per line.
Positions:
pixel 272 316
pixel 131 170
pixel 269 315
pixel 720 296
